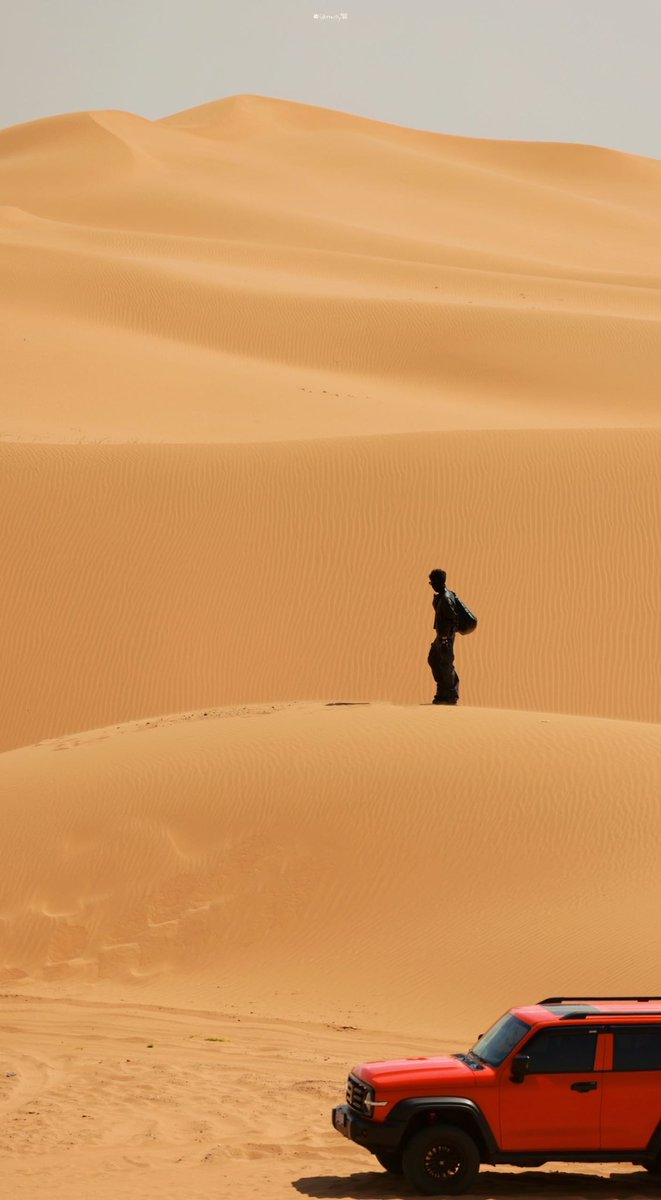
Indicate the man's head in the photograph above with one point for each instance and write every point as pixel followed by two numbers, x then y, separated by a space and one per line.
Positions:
pixel 437 580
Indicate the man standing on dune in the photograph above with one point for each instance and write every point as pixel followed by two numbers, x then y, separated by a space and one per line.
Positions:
pixel 450 616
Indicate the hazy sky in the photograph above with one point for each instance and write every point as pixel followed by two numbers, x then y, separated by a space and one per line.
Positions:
pixel 566 70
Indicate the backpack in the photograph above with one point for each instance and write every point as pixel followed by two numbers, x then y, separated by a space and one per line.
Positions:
pixel 466 620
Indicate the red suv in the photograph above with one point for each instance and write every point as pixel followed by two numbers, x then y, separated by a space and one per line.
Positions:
pixel 570 1079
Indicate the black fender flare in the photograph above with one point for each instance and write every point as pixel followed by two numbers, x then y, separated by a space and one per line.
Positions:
pixel 407 1110
pixel 654 1144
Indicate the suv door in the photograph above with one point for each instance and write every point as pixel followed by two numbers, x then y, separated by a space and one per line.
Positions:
pixel 558 1104
pixel 632 1090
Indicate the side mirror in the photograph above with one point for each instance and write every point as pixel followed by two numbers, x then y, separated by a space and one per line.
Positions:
pixel 520 1067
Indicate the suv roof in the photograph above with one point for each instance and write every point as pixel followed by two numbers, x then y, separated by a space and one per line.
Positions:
pixel 576 1008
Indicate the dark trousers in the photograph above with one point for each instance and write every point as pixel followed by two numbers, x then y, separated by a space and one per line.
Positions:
pixel 441 662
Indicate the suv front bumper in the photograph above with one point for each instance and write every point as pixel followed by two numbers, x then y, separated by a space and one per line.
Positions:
pixel 373 1135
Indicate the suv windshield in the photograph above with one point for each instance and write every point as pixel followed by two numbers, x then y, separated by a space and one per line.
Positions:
pixel 494 1047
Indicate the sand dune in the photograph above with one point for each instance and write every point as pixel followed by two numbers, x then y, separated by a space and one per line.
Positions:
pixel 256 244
pixel 141 580
pixel 265 366
pixel 300 888
pixel 344 857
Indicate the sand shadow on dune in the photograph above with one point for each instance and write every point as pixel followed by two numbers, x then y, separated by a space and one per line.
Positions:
pixel 528 1185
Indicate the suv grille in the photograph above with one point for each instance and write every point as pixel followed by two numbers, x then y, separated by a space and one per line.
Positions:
pixel 357 1095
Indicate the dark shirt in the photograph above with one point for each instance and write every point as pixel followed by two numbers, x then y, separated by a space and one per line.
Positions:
pixel 445 615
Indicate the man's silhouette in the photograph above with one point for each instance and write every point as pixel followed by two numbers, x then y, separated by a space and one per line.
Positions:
pixel 450 616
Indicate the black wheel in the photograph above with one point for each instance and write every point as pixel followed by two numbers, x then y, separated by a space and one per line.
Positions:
pixel 390 1160
pixel 441 1159
pixel 654 1167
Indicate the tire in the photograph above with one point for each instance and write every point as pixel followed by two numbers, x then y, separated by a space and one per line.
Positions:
pixel 441 1160
pixel 654 1167
pixel 390 1160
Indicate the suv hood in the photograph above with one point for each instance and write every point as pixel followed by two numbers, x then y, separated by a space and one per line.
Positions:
pixel 435 1071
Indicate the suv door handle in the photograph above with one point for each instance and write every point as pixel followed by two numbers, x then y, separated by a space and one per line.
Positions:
pixel 583 1087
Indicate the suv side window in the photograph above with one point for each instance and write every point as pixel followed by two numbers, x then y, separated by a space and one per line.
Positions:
pixel 637 1049
pixel 553 1051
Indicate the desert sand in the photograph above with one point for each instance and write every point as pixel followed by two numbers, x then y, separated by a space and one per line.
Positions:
pixel 266 365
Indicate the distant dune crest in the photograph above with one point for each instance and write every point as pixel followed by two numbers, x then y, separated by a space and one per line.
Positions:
pixel 370 278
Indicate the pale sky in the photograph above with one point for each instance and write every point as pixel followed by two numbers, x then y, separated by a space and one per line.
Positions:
pixel 560 70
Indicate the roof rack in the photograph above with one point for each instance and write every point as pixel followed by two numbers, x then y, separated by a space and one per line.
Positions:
pixel 590 999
